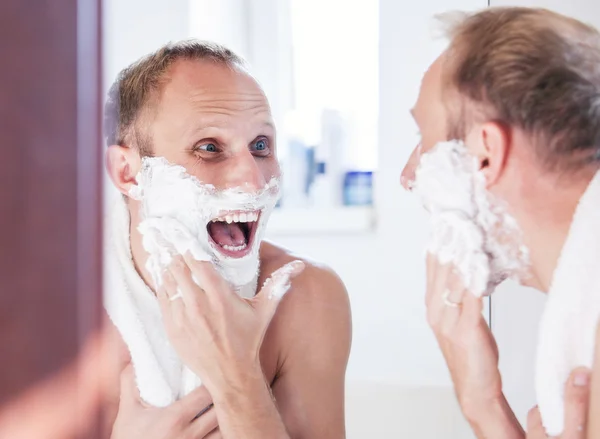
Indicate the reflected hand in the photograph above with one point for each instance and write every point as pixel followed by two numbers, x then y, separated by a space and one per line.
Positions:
pixel 137 420
pixel 576 409
pixel 217 333
pixel 468 346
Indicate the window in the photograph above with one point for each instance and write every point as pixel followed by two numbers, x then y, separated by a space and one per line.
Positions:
pixel 317 61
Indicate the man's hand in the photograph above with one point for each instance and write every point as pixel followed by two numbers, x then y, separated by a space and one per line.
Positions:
pixel 216 333
pixel 577 397
pixel 469 348
pixel 455 315
pixel 137 420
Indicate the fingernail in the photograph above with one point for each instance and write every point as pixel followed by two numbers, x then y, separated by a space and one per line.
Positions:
pixel 297 266
pixel 581 379
pixel 279 291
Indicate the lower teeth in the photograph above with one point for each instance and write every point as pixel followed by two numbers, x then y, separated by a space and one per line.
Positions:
pixel 233 248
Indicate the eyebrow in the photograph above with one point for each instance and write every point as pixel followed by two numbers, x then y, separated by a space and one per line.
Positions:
pixel 270 124
pixel 199 129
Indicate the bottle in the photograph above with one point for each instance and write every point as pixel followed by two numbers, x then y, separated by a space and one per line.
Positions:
pixel 321 191
pixel 358 188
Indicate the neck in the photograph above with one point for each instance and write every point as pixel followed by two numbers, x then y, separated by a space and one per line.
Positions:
pixel 138 254
pixel 549 225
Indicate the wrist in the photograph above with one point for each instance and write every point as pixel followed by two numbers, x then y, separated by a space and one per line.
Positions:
pixel 494 419
pixel 236 386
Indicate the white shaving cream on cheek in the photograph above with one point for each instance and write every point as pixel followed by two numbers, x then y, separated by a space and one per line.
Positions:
pixel 469 227
pixel 176 209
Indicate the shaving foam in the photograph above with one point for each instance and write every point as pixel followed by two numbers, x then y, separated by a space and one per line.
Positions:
pixel 279 282
pixel 175 211
pixel 469 227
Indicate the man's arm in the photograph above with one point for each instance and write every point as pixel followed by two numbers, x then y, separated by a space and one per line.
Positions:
pixel 313 327
pixel 310 387
pixel 496 420
pixel 593 431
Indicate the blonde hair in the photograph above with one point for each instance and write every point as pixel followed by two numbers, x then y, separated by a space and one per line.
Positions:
pixel 137 85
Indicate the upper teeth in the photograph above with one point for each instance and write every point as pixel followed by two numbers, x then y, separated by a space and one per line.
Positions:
pixel 242 217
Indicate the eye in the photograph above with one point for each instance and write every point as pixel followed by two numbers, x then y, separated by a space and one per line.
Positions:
pixel 261 147
pixel 208 147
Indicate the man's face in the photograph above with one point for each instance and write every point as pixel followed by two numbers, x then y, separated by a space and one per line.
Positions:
pixel 431 117
pixel 505 174
pixel 216 122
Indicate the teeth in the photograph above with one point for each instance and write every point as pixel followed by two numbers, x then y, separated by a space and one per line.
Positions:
pixel 244 217
pixel 235 248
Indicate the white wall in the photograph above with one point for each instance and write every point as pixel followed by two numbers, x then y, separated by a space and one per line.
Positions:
pixel 516 311
pixel 395 365
pixel 133 28
pixel 224 22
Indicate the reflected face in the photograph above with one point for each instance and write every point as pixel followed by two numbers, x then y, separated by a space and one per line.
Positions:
pixel 431 116
pixel 216 122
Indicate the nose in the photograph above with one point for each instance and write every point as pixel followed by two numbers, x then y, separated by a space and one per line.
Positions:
pixel 407 177
pixel 243 172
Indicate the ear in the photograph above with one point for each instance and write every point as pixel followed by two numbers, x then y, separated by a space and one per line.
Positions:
pixel 123 163
pixel 491 144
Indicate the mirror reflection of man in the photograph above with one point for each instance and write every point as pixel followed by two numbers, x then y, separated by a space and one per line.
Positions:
pixel 196 105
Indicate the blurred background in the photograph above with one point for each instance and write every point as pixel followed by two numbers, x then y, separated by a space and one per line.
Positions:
pixel 341 77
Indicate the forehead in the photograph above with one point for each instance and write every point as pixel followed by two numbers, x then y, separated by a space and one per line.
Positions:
pixel 430 94
pixel 207 87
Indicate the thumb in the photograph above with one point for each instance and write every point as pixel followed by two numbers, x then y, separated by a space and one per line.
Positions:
pixel 535 429
pixel 576 404
pixel 193 405
pixel 130 394
pixel 277 285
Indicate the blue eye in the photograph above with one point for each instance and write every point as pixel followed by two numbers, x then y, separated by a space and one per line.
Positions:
pixel 208 147
pixel 261 147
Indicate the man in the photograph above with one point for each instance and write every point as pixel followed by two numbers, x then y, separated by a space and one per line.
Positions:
pixel 196 105
pixel 521 88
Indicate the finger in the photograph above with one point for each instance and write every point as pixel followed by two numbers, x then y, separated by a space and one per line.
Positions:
pixel 192 404
pixel 210 280
pixel 431 264
pixel 172 306
pixel 593 426
pixel 192 294
pixel 443 289
pixel 576 404
pixel 277 285
pixel 535 428
pixel 204 425
pixel 452 302
pixel 215 434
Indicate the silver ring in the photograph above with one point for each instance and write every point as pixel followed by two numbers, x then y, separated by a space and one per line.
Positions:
pixel 176 296
pixel 448 302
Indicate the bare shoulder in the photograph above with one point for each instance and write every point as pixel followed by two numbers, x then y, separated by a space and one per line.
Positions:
pixel 317 283
pixel 316 306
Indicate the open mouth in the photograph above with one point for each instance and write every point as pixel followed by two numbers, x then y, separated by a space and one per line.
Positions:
pixel 232 233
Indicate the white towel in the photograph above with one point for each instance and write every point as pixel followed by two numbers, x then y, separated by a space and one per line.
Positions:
pixel 568 326
pixel 161 376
